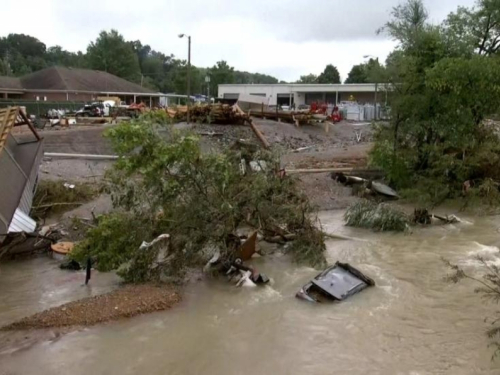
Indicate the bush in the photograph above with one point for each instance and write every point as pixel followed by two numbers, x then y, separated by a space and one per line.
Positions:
pixel 376 216
pixel 113 242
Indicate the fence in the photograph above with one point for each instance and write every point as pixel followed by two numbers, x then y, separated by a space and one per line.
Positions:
pixel 39 108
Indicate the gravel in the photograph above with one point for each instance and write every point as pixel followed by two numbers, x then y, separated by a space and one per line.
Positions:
pixel 128 301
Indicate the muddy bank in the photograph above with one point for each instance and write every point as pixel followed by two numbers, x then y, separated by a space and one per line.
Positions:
pixel 325 193
pixel 125 302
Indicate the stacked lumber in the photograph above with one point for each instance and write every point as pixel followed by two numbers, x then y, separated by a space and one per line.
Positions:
pixel 223 114
pixel 293 118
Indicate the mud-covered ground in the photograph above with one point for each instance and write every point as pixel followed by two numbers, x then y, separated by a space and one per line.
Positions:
pixel 306 147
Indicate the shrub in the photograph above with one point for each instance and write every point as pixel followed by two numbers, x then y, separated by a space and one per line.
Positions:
pixel 376 216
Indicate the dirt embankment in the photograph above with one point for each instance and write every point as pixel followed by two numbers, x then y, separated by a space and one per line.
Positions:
pixel 125 302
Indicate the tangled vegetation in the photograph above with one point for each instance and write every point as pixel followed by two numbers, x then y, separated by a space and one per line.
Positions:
pixel 53 197
pixel 163 184
pixel 377 216
pixel 442 86
pixel 489 289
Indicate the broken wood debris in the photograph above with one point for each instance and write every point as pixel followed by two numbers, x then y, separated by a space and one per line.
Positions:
pixel 222 114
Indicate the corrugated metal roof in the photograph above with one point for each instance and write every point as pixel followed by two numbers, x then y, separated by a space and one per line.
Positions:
pixel 21 223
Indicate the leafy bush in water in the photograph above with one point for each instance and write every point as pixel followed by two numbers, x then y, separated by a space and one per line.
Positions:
pixel 376 216
pixel 113 242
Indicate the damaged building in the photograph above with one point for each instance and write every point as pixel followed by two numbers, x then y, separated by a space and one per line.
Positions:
pixel 20 155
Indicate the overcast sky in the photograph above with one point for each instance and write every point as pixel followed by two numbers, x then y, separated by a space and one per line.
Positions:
pixel 284 38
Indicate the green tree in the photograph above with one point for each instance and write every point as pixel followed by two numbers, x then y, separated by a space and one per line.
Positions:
pixel 357 74
pixel 5 68
pixel 57 56
pixel 436 139
pixel 310 78
pixel 220 73
pixel 329 75
pixel 22 53
pixel 476 29
pixel 26 45
pixel 112 54
pixel 369 72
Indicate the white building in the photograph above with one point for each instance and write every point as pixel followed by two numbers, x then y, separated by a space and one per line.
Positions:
pixel 299 93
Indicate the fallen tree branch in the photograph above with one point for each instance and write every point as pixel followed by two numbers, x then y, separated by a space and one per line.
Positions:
pixel 57 204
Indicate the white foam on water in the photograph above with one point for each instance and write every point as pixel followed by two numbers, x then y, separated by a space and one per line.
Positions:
pixel 490 254
pixel 265 294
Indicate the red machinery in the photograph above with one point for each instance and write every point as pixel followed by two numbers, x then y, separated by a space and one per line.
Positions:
pixel 336 115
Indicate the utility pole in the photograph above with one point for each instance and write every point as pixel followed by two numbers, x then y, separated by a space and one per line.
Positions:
pixel 189 77
pixel 188 74
pixel 207 80
pixel 376 85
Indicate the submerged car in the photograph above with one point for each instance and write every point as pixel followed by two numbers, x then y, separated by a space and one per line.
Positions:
pixel 337 283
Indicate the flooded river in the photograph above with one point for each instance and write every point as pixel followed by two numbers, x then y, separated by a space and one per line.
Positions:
pixel 412 322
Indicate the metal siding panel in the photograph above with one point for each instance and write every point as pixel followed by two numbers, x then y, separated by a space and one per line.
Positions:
pixel 12 183
pixel 22 223
pixel 29 190
pixel 231 96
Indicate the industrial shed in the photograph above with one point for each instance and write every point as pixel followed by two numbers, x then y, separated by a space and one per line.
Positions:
pixel 304 93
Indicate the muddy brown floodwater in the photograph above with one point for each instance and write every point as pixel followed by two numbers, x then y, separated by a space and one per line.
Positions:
pixel 412 322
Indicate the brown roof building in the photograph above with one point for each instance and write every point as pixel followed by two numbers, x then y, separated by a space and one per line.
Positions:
pixel 71 84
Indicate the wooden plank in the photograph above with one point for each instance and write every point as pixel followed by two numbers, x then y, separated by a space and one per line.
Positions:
pixel 257 132
pixel 318 170
pixel 30 125
pixel 6 125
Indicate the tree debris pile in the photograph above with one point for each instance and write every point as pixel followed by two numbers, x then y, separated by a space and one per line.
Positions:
pixel 165 185
pixel 376 216
pixel 125 302
pixel 223 114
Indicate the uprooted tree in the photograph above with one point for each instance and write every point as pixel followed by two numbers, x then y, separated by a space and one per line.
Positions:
pixel 163 183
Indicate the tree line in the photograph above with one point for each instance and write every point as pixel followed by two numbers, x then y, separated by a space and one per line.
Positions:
pixel 368 72
pixel 23 54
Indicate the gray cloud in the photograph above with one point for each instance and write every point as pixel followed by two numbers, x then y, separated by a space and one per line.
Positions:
pixel 285 38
